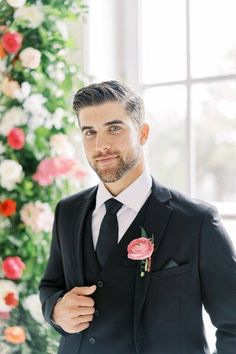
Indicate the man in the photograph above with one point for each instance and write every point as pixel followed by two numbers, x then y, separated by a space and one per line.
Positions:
pixel 132 261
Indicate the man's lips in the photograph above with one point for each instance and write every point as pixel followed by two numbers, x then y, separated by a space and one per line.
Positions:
pixel 106 159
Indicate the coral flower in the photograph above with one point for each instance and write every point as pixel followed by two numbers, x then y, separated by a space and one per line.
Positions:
pixel 16 139
pixel 15 335
pixel 13 267
pixel 12 42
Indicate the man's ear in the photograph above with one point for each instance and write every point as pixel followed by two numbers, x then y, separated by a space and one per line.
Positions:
pixel 143 133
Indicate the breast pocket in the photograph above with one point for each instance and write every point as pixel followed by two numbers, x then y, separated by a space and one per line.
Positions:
pixel 170 272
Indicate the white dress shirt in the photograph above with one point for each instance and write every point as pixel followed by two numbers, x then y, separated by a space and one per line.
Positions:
pixel 132 198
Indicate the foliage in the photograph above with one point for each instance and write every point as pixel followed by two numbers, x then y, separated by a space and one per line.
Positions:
pixel 36 87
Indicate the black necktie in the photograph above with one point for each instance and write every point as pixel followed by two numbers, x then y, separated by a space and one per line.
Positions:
pixel 108 233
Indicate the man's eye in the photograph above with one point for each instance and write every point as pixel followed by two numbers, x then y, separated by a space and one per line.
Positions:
pixel 90 132
pixel 114 128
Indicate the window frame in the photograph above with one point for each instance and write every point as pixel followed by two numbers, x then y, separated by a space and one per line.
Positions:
pixel 133 75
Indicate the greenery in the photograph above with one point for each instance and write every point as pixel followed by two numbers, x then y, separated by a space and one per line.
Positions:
pixel 36 88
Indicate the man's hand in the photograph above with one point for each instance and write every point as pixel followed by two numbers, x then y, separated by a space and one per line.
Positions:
pixel 75 310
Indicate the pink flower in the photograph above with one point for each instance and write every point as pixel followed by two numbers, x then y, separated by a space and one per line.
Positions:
pixel 140 248
pixel 12 42
pixel 13 267
pixel 50 168
pixel 45 172
pixel 5 315
pixel 38 216
pixel 10 88
pixel 16 139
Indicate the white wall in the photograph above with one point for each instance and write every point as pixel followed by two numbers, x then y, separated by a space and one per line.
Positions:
pixel 110 43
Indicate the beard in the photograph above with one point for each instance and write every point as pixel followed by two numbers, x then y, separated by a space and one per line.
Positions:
pixel 124 165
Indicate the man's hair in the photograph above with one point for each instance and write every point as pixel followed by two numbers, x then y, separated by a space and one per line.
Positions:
pixel 110 91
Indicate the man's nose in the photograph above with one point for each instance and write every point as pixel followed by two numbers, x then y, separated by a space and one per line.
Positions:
pixel 102 143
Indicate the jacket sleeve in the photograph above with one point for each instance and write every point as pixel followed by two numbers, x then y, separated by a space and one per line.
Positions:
pixel 52 285
pixel 218 280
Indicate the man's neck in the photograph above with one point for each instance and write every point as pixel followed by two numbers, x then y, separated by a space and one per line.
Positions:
pixel 116 188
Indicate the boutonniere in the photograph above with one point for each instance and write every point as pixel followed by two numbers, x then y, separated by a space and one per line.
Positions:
pixel 142 249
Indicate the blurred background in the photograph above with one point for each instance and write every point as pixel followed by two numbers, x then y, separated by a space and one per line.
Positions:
pixel 179 55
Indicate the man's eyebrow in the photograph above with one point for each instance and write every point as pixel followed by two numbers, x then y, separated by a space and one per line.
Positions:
pixel 115 121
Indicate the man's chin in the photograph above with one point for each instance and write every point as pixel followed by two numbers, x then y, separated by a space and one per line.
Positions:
pixel 108 176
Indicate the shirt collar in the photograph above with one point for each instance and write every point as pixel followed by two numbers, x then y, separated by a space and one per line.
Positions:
pixel 133 196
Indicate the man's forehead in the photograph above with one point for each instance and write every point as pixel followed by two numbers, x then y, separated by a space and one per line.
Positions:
pixel 103 114
pixel 103 108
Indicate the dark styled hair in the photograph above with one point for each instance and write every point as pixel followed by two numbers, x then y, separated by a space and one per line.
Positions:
pixel 110 91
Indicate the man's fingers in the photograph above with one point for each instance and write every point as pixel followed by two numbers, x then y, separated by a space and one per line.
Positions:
pixel 81 327
pixel 78 328
pixel 84 319
pixel 83 311
pixel 83 290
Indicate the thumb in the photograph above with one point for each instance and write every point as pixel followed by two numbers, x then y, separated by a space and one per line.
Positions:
pixel 84 290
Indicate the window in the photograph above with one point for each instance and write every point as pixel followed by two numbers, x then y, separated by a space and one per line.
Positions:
pixel 187 72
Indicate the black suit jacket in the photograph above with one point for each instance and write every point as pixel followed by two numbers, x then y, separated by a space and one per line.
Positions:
pixel 194 265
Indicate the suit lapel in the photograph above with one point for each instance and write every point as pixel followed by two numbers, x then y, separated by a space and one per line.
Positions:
pixel 81 211
pixel 156 220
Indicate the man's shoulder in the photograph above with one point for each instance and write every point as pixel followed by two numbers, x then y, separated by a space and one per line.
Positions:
pixel 78 197
pixel 184 203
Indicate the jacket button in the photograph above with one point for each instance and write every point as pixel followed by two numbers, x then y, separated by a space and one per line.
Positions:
pixel 97 313
pixel 92 340
pixel 100 284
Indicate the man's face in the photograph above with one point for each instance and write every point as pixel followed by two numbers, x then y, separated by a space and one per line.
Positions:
pixel 111 140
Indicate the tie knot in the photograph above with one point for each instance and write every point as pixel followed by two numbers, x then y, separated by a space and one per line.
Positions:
pixel 112 206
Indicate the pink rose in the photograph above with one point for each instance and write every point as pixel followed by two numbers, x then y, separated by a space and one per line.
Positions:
pixel 13 267
pixel 140 248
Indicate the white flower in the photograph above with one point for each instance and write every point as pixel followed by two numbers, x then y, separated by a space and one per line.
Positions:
pixel 38 216
pixel 39 120
pixel 34 103
pixel 62 29
pixel 11 172
pixel 33 14
pixel 33 305
pixel 57 117
pixel 30 58
pixel 60 145
pixel 5 349
pixel 16 3
pixel 13 117
pixel 7 287
pixel 40 116
pixel 24 91
pixel 57 71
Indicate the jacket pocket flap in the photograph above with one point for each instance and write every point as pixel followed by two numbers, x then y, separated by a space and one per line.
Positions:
pixel 170 272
